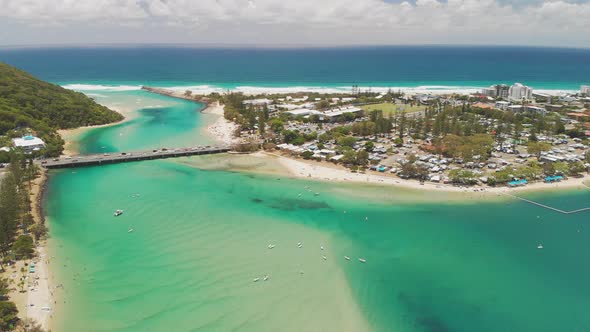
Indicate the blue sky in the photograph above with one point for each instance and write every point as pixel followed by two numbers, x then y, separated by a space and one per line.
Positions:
pixel 300 22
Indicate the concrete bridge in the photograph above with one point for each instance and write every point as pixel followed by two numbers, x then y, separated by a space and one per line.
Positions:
pixel 125 157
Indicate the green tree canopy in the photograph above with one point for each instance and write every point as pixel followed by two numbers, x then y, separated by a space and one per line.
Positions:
pixel 27 102
pixel 535 148
pixel 8 315
pixel 23 247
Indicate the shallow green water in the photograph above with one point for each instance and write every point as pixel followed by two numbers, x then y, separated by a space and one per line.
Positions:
pixel 158 122
pixel 200 238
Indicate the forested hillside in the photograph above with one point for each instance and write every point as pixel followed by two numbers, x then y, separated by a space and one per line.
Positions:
pixel 27 102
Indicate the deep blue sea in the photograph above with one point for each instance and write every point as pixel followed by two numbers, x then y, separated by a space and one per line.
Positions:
pixel 426 67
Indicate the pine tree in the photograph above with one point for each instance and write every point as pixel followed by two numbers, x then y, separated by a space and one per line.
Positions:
pixel 9 211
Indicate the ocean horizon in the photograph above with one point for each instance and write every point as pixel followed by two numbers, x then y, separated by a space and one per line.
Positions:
pixel 413 68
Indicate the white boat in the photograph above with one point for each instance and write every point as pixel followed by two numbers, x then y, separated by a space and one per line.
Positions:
pixel 270 246
pixel 256 279
pixel 322 247
pixel 362 260
pixel 347 258
pixel 324 257
pixel 266 278
pixel 118 213
pixel 130 230
pixel 540 246
pixel 299 245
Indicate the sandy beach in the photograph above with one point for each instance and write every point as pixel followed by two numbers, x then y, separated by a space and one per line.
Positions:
pixel 70 136
pixel 259 90
pixel 221 130
pixel 330 172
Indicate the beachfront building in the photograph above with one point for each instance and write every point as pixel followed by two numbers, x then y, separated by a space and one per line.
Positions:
pixel 502 90
pixel 495 91
pixel 490 92
pixel 520 92
pixel 585 90
pixel 29 143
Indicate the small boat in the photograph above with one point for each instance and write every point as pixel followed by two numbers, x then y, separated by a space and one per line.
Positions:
pixel 256 279
pixel 270 246
pixel 299 245
pixel 317 194
pixel 130 230
pixel 362 260
pixel 322 247
pixel 118 213
pixel 324 257
pixel 347 258
pixel 540 246
pixel 266 278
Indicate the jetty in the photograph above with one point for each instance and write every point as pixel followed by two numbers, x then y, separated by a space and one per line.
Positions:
pixel 125 157
pixel 176 94
pixel 547 206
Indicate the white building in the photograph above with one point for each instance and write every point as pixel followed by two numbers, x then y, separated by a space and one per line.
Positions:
pixel 303 112
pixel 29 143
pixel 257 102
pixel 335 114
pixel 585 90
pixel 489 92
pixel 519 92
pixel 536 109
pixel 527 108
pixel 502 105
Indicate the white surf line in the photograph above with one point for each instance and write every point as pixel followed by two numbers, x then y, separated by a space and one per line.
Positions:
pixel 547 206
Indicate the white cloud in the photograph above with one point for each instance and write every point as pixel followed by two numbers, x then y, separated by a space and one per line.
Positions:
pixel 311 21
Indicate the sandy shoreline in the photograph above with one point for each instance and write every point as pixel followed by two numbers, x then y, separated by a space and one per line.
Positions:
pixel 329 172
pixel 260 90
pixel 221 130
pixel 70 136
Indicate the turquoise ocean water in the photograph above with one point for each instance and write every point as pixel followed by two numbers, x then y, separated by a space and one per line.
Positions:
pixel 201 234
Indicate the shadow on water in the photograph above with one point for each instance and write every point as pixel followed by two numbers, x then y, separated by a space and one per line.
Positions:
pixel 423 318
pixel 288 204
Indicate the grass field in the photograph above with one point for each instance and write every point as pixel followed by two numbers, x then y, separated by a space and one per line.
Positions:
pixel 390 108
